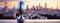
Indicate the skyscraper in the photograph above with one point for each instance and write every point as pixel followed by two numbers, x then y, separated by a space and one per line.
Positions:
pixel 40 7
pixel 33 7
pixel 14 7
pixel 45 5
pixel 27 8
pixel 45 8
pixel 5 6
pixel 37 8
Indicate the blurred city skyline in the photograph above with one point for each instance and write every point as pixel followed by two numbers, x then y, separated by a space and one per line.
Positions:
pixel 30 3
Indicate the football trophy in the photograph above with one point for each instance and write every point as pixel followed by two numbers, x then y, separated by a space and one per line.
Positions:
pixel 21 11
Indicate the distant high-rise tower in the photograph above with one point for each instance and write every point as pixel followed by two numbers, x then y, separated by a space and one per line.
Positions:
pixel 5 5
pixel 45 5
pixel 33 7
pixel 37 8
pixel 40 7
pixel 27 8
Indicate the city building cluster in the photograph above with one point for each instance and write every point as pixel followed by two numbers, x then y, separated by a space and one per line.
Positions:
pixel 37 12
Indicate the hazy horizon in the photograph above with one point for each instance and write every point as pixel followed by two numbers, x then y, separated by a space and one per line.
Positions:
pixel 50 3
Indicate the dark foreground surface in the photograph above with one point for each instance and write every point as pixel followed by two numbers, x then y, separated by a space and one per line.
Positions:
pixel 30 21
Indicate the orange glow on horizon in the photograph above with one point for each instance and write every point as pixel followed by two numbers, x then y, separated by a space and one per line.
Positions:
pixel 50 3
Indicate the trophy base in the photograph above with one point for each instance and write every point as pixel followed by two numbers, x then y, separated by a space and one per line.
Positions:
pixel 20 19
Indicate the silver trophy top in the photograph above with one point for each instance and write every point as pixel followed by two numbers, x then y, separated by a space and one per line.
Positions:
pixel 21 6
